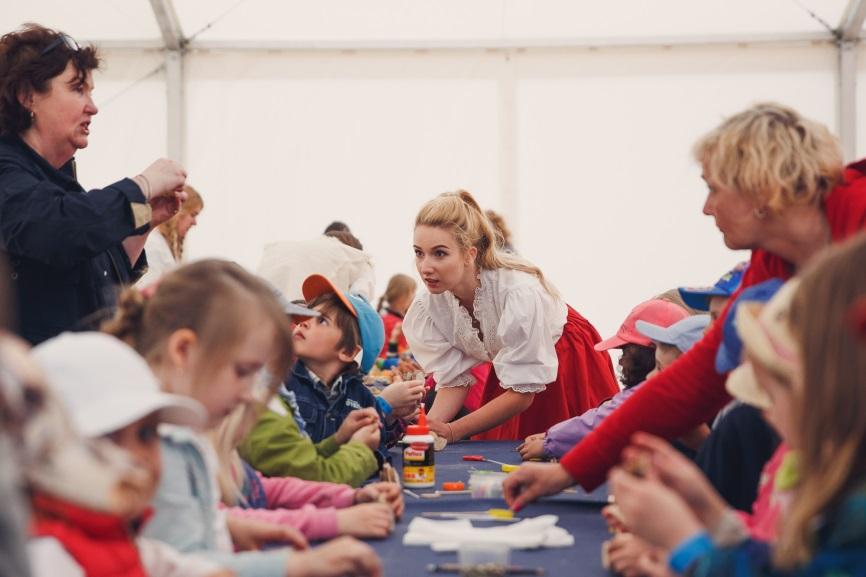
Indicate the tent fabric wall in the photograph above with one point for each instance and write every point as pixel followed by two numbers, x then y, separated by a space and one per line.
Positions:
pixel 587 151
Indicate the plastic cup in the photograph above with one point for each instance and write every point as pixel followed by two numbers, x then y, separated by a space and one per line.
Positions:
pixel 477 559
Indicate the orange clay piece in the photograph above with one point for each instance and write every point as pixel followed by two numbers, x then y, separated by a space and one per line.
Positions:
pixel 454 486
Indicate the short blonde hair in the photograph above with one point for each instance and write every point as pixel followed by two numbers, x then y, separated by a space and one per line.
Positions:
pixel 771 153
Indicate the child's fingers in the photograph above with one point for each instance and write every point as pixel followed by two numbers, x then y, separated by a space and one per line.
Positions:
pixel 651 443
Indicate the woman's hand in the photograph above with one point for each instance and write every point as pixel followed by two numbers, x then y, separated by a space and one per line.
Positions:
pixel 251 535
pixel 354 421
pixel 391 493
pixel 444 430
pixel 534 480
pixel 680 475
pixel 337 558
pixel 532 447
pixel 162 184
pixel 652 511
pixel 370 520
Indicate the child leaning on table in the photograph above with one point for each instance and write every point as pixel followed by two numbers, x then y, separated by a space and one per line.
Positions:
pixel 809 361
pixel 111 394
pixel 207 330
pixel 320 510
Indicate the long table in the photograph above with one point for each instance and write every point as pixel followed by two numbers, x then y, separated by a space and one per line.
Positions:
pixel 578 513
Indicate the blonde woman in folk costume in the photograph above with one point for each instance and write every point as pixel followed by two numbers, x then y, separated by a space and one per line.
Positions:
pixel 484 305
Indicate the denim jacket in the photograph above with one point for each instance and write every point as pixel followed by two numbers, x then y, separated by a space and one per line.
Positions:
pixel 321 411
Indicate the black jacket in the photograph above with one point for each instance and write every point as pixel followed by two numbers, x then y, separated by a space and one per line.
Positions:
pixel 63 243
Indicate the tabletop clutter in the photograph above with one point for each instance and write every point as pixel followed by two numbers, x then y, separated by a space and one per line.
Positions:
pixel 483 549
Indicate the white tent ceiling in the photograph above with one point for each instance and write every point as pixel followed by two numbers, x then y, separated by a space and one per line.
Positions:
pixel 360 21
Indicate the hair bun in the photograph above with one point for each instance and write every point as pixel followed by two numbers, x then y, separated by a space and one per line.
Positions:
pixel 127 321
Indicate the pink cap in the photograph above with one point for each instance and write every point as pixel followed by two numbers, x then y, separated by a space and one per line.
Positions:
pixel 656 311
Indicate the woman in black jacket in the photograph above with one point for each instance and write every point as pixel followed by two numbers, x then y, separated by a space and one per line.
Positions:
pixel 69 249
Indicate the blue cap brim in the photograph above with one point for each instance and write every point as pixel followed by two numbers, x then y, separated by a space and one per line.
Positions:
pixel 699 299
pixel 654 332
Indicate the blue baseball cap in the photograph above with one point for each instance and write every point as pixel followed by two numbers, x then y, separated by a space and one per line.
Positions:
pixel 682 334
pixel 730 353
pixel 699 297
pixel 370 325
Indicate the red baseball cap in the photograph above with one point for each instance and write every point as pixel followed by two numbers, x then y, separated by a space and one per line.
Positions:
pixel 656 311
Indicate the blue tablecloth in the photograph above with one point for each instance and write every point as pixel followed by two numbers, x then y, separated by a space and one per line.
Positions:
pixel 578 513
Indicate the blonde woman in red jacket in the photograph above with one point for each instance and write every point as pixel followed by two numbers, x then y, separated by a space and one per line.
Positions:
pixel 778 187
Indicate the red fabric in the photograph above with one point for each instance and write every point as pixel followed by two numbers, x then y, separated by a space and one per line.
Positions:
pixel 476 391
pixel 584 379
pixel 102 544
pixel 690 391
pixel 390 320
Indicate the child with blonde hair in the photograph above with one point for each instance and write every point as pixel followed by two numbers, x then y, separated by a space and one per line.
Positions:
pixel 207 330
pixel 806 364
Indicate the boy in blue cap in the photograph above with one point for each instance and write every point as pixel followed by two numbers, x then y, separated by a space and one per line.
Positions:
pixel 326 380
pixel 713 299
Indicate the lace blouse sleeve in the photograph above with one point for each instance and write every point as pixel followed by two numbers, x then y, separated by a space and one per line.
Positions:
pixel 449 365
pixel 527 361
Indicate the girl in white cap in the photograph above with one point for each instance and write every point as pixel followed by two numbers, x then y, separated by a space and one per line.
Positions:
pixel 83 368
pixel 208 330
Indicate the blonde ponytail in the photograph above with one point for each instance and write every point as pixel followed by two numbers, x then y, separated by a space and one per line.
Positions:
pixel 459 212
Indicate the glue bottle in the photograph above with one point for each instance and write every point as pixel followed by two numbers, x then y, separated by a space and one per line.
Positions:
pixel 419 470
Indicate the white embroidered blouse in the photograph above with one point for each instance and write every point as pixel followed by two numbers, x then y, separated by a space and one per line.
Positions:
pixel 519 322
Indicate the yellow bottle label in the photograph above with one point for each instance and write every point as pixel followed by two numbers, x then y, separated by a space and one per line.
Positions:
pixel 418 475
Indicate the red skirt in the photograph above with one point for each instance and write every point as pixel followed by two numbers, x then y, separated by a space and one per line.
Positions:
pixel 584 379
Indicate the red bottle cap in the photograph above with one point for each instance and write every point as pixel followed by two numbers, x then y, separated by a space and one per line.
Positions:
pixel 420 428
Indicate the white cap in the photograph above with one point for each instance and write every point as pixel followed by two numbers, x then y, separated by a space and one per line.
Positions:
pixel 105 385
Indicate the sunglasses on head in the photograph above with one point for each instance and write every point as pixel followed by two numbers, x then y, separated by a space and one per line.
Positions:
pixel 64 39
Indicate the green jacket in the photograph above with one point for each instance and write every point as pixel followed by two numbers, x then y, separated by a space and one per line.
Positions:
pixel 277 448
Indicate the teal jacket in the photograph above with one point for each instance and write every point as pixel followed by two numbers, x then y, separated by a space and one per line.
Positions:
pixel 840 549
pixel 277 448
